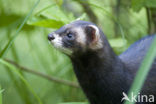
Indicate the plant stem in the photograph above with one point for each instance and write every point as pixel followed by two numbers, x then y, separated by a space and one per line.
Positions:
pixel 50 78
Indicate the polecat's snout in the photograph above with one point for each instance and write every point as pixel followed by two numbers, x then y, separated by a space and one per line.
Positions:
pixel 77 36
pixel 51 37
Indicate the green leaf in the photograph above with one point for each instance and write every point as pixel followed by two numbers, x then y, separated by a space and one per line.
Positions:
pixel 143 71
pixel 22 78
pixel 53 12
pixel 50 23
pixel 56 19
pixel 51 16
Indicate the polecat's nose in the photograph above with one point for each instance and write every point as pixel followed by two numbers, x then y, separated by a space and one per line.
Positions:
pixel 51 37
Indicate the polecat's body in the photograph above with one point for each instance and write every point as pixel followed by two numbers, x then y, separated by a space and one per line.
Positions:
pixel 102 75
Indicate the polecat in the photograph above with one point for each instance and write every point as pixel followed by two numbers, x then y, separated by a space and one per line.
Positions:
pixel 102 74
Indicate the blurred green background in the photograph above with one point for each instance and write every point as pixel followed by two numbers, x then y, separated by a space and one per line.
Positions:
pixel 32 71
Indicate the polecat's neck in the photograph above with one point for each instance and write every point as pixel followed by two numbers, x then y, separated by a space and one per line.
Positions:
pixel 101 75
pixel 99 60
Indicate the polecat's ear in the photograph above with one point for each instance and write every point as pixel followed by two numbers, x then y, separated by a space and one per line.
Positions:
pixel 92 34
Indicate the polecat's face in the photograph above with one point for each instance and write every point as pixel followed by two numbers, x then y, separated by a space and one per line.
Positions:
pixel 76 37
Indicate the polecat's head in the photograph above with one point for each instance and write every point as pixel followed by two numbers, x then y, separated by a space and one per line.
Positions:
pixel 77 37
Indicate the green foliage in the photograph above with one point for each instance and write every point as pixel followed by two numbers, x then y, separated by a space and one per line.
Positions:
pixel 28 45
pixel 16 34
pixel 138 4
pixel 46 18
pixel 46 23
pixel 22 78
pixel 1 95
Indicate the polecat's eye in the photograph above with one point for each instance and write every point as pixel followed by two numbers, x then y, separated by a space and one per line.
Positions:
pixel 70 35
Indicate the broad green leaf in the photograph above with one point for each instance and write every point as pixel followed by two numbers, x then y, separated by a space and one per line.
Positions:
pixel 50 23
pixel 143 71
pixel 118 42
pixel 51 16
pixel 54 12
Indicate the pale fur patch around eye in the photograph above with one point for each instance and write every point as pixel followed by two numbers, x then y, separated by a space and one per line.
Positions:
pixel 81 37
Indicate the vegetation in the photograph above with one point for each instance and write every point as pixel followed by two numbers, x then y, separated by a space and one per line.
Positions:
pixel 1 95
pixel 33 72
